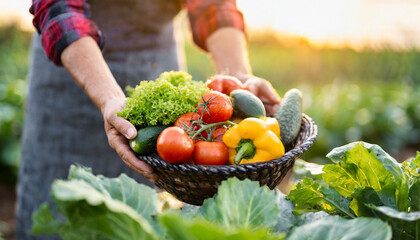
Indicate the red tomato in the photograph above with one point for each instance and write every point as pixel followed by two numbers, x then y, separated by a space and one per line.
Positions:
pixel 174 145
pixel 224 84
pixel 186 119
pixel 219 107
pixel 210 153
pixel 218 133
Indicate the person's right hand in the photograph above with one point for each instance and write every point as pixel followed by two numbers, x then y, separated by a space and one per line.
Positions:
pixel 118 131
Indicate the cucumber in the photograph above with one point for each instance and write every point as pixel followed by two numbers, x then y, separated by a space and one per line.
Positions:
pixel 245 104
pixel 289 116
pixel 145 141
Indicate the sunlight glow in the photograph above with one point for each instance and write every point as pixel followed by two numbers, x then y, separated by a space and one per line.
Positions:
pixel 339 22
pixel 336 23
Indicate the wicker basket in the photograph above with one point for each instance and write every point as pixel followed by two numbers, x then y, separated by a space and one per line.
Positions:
pixel 194 183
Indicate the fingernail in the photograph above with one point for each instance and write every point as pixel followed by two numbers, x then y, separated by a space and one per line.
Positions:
pixel 130 133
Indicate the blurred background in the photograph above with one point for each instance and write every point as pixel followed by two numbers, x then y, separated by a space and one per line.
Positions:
pixel 357 63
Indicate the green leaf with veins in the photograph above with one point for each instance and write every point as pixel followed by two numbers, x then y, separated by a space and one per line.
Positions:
pixel 405 226
pixel 332 228
pixel 140 197
pixel 178 227
pixel 309 195
pixel 241 203
pixel 388 162
pixel 359 168
pixel 90 214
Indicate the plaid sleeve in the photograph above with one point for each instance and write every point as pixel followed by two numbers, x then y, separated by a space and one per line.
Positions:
pixel 206 16
pixel 61 22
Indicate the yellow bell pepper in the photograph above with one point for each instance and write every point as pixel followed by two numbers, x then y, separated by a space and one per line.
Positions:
pixel 254 140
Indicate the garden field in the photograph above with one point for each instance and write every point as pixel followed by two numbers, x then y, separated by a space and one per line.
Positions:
pixel 369 95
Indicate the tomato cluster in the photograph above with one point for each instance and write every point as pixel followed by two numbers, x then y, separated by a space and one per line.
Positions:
pixel 197 136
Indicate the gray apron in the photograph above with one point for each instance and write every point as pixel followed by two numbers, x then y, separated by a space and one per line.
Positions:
pixel 62 126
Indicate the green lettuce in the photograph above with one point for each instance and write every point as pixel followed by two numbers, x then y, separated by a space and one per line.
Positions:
pixel 248 205
pixel 338 228
pixel 179 227
pixel 162 101
pixel 90 214
pixel 367 182
pixel 405 226
pixel 309 195
pixel 96 207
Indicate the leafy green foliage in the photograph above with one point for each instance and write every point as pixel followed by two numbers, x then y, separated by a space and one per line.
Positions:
pixel 404 225
pixel 90 215
pixel 373 184
pixel 387 114
pixel 179 227
pixel 246 206
pixel 359 168
pixel 96 207
pixel 14 51
pixel 123 189
pixel 309 195
pixel 388 162
pixel 162 101
pixel 339 228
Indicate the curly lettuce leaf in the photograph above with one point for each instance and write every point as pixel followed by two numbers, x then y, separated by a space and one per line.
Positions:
pixel 176 78
pixel 162 101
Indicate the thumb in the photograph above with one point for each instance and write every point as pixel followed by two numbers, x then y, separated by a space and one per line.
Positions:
pixel 123 126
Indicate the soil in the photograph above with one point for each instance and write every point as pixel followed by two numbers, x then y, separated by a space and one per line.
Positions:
pixel 7 211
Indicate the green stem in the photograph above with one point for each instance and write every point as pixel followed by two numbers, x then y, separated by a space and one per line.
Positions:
pixel 246 149
pixel 205 127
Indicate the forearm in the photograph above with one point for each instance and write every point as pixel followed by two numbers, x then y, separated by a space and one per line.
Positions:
pixel 84 61
pixel 228 49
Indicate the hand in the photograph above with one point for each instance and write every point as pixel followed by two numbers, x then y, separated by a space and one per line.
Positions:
pixel 118 131
pixel 264 91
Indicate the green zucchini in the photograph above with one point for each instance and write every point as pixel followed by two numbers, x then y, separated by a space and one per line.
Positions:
pixel 289 116
pixel 245 104
pixel 145 141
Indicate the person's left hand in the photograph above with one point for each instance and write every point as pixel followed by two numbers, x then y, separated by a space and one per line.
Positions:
pixel 118 131
pixel 265 92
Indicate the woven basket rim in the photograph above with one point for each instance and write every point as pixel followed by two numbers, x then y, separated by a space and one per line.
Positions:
pixel 210 169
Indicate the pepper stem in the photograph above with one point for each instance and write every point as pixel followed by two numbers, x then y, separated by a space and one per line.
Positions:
pixel 246 150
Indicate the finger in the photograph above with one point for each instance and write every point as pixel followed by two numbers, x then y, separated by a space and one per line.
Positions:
pixel 270 109
pixel 270 93
pixel 121 147
pixel 122 126
pixel 252 87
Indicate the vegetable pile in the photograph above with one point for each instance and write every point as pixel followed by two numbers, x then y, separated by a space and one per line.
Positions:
pixel 358 200
pixel 203 130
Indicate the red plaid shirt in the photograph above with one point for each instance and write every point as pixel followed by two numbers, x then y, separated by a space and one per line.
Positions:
pixel 61 22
